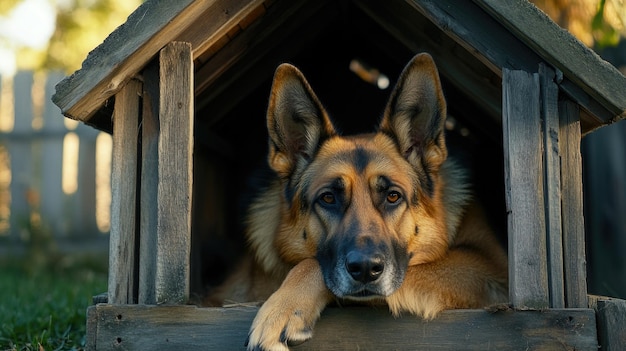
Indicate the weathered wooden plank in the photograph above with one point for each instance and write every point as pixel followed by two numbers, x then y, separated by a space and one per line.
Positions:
pixel 128 49
pixel 552 184
pixel 611 321
pixel 578 62
pixel 91 337
pixel 351 328
pixel 523 168
pixel 175 172
pixel 575 264
pixel 122 242
pixel 149 184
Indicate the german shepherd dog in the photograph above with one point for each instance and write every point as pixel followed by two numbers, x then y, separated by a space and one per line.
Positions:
pixel 381 217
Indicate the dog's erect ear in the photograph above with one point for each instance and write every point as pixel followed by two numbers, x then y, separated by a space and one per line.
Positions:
pixel 296 121
pixel 416 113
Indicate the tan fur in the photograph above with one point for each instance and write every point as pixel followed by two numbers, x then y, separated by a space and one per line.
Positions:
pixel 373 217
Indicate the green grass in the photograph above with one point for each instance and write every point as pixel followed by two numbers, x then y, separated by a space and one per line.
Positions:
pixel 43 300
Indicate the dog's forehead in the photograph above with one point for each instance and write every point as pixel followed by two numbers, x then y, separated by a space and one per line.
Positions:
pixel 360 156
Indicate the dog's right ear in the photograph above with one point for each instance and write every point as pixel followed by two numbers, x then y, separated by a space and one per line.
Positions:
pixel 296 121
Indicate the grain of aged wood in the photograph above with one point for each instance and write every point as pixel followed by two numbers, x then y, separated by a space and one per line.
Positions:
pixel 575 264
pixel 552 184
pixel 175 173
pixel 149 182
pixel 123 237
pixel 91 337
pixel 611 319
pixel 354 328
pixel 523 168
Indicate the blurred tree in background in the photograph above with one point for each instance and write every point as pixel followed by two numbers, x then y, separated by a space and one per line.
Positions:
pixel 597 23
pixel 81 25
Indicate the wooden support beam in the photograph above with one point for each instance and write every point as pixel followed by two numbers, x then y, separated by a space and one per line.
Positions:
pixel 552 184
pixel 575 264
pixel 123 237
pixel 175 173
pixel 349 328
pixel 149 184
pixel 528 281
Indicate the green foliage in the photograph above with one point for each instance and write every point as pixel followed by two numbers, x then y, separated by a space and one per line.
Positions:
pixel 44 309
pixel 603 33
pixel 81 27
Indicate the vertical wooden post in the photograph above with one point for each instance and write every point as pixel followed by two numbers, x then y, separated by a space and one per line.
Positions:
pixel 552 184
pixel 528 282
pixel 572 195
pixel 149 183
pixel 175 170
pixel 122 241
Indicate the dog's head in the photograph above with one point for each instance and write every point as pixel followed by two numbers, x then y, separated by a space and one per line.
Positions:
pixel 365 206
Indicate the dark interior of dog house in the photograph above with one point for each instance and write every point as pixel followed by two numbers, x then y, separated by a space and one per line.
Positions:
pixel 231 137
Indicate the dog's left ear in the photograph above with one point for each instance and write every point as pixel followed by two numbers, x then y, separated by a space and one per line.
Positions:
pixel 296 121
pixel 416 113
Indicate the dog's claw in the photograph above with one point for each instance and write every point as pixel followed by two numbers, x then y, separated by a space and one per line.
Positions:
pixel 284 342
pixel 277 330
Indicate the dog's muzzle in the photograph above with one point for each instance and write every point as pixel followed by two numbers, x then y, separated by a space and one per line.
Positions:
pixel 363 273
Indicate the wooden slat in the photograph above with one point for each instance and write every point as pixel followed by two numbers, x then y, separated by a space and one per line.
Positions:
pixel 149 184
pixel 572 213
pixel 579 63
pixel 91 337
pixel 351 328
pixel 122 242
pixel 552 183
pixel 175 173
pixel 611 321
pixel 528 281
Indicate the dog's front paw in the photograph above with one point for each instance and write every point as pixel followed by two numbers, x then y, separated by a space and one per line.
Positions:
pixel 278 325
pixel 289 315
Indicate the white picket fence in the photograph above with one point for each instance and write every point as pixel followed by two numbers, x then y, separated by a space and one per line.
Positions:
pixel 48 168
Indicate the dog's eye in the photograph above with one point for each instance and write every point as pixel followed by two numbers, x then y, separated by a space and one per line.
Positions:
pixel 393 197
pixel 328 198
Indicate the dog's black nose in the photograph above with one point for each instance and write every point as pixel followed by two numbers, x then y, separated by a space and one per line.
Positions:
pixel 364 268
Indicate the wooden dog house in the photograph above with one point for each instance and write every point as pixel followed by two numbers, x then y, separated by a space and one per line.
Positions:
pixel 182 87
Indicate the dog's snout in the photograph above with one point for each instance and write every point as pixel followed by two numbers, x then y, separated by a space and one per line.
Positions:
pixel 364 268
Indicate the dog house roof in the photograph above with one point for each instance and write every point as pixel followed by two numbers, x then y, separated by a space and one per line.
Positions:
pixel 235 41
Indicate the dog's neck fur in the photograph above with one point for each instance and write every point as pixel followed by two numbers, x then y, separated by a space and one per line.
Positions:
pixel 456 195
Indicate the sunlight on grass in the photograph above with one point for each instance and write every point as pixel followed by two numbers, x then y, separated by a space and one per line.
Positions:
pixel 44 308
